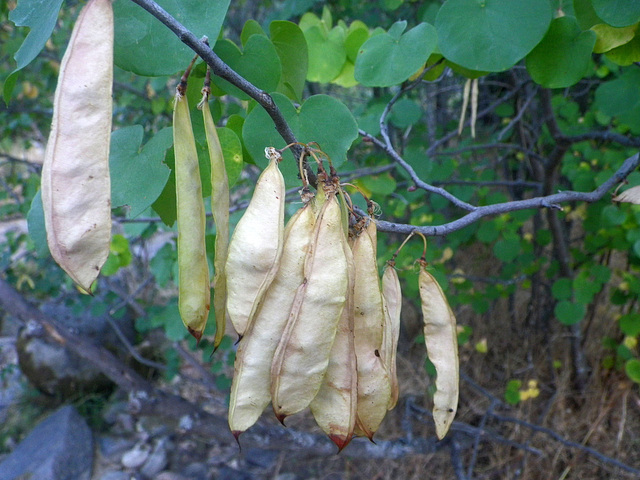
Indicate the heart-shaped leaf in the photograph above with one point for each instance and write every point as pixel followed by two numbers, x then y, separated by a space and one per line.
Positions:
pixel 291 47
pixel 321 119
pixel 41 17
pixel 491 35
pixel 609 37
pixel 569 313
pixel 142 42
pixel 626 54
pixel 327 52
pixel 621 98
pixel 618 13
pixel 391 58
pixel 562 58
pixel 258 63
pixel 138 176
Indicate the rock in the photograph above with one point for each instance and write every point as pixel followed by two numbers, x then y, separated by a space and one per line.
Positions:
pixel 257 457
pixel 12 380
pixel 115 475
pixel 156 462
pixel 56 371
pixel 112 448
pixel 59 448
pixel 172 476
pixel 135 457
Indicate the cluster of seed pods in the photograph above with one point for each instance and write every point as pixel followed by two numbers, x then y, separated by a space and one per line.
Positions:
pixel 318 326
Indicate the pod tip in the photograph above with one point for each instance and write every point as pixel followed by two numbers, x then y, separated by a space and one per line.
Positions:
pixel 341 441
pixel 236 434
pixel 195 333
pixel 281 417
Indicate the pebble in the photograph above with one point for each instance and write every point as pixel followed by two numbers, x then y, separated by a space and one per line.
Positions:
pixel 135 457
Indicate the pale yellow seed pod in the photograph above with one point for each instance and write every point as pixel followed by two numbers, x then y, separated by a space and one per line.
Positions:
pixel 302 357
pixel 335 406
pixel 194 294
pixel 392 299
pixel 256 246
pixel 76 188
pixel 374 386
pixel 441 339
pixel 251 386
pixel 220 210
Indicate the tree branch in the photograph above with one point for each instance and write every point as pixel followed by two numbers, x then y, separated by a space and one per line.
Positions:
pixel 549 201
pixel 221 69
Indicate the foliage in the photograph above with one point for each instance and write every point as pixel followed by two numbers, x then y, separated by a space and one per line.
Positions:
pixel 558 109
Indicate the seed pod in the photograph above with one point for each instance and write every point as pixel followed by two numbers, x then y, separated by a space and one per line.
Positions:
pixel 194 294
pixel 442 348
pixel 76 188
pixel 392 300
pixel 335 405
pixel 302 357
pixel 374 387
pixel 220 210
pixel 256 246
pixel 251 387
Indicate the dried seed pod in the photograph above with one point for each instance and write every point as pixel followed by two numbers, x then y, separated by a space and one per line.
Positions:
pixel 194 294
pixel 392 300
pixel 335 405
pixel 441 339
pixel 302 357
pixel 76 188
pixel 220 210
pixel 251 387
pixel 374 387
pixel 256 246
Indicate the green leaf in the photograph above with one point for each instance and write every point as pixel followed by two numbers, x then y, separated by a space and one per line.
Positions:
pixel 562 58
pixel 487 232
pixel 569 313
pixel 35 224
pixel 613 216
pixel 378 185
pixel 512 392
pixel 507 249
pixel 632 369
pixel 138 175
pixel 620 98
pixel 391 58
pixel 586 15
pixel 626 54
pixel 562 289
pixel 320 118
pixel 40 16
pixel 609 37
pixel 357 34
pixel 491 35
pixel 617 13
pixel 162 264
pixel 258 63
pixel 145 46
pixel 405 112
pixel 630 324
pixel 291 47
pixel 251 27
pixel 327 52
pixel 232 153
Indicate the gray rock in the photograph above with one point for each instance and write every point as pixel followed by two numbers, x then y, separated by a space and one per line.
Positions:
pixel 58 448
pixel 115 475
pixel 56 371
pixel 135 457
pixel 156 462
pixel 112 448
